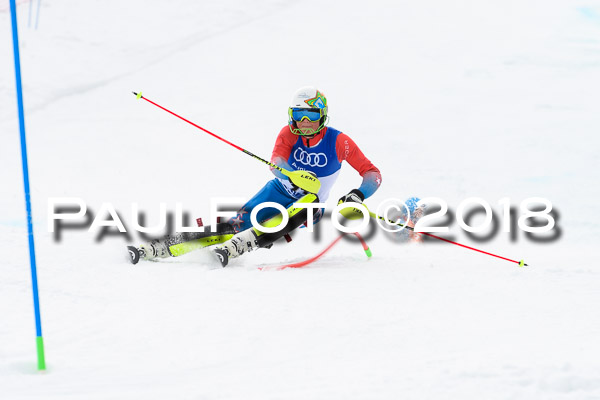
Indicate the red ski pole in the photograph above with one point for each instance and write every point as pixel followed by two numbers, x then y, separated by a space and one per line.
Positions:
pixel 300 178
pixel 521 263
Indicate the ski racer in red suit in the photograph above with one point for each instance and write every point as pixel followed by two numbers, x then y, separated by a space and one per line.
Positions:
pixel 306 143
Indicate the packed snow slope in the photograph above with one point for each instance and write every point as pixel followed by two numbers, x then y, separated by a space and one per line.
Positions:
pixel 494 99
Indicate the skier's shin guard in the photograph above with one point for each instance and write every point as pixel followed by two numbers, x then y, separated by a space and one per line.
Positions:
pixel 297 216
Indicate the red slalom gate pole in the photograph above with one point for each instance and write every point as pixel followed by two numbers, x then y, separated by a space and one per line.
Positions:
pixel 315 258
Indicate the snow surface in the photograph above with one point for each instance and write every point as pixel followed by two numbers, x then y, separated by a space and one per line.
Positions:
pixel 450 99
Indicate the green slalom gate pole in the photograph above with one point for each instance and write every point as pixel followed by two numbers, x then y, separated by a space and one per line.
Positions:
pixel 41 360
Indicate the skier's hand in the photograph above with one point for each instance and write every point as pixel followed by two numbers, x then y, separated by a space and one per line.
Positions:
pixel 295 187
pixel 354 196
pixel 298 191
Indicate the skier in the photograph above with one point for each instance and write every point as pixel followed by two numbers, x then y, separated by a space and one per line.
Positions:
pixel 305 143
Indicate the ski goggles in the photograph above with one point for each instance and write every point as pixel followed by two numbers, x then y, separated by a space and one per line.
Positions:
pixel 300 114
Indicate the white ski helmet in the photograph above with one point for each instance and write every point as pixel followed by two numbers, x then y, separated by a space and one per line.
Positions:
pixel 307 103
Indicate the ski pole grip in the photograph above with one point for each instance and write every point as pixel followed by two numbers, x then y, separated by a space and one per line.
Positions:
pixel 304 180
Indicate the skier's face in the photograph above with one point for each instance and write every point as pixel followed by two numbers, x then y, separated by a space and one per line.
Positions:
pixel 308 127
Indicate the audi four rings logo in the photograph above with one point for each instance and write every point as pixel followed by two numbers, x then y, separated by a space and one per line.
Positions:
pixel 310 159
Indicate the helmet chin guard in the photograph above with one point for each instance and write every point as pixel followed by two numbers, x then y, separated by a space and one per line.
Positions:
pixel 296 131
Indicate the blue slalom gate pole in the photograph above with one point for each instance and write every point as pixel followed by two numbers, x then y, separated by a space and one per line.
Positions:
pixel 29 19
pixel 36 301
pixel 37 14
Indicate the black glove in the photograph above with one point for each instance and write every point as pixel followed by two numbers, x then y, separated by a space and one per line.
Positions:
pixel 354 196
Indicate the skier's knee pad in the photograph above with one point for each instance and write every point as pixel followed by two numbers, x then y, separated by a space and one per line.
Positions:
pixel 297 216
